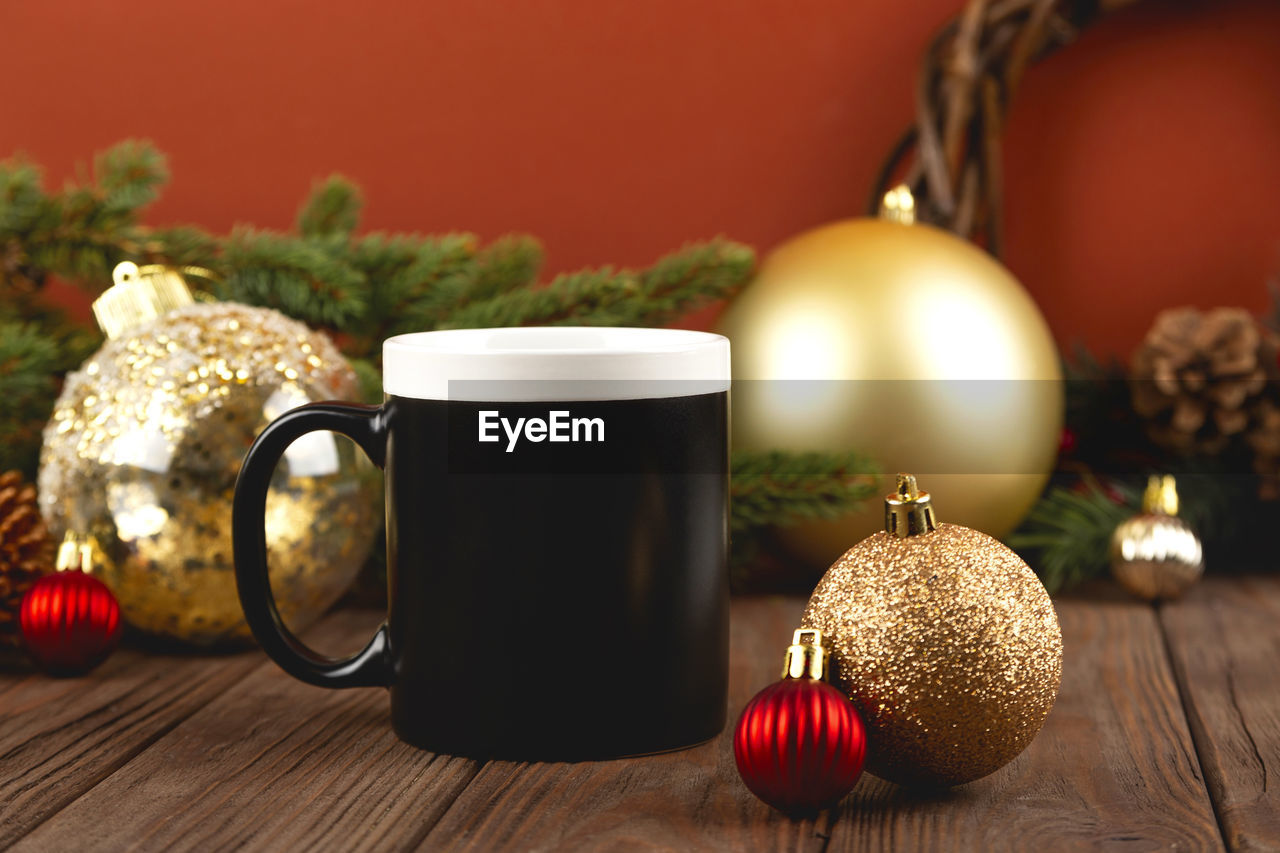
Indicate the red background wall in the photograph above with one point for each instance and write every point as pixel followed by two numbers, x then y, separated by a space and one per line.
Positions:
pixel 1143 163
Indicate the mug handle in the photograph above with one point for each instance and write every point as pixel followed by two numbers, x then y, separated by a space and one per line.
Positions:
pixel 367 427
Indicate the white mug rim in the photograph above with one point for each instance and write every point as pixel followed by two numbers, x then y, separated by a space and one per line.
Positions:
pixel 536 363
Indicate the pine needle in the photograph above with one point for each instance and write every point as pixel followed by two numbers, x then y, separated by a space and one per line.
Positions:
pixel 677 284
pixel 1067 535
pixel 332 209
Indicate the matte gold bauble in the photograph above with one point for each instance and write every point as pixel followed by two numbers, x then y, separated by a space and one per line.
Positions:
pixel 944 639
pixel 142 452
pixel 909 344
pixel 1156 555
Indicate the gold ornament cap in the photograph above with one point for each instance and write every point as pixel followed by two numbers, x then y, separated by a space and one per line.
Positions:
pixel 899 205
pixel 806 658
pixel 139 295
pixel 1161 496
pixel 75 554
pixel 908 511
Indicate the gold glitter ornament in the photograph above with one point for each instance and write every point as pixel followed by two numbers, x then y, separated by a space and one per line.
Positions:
pixel 1156 554
pixel 944 639
pixel 146 440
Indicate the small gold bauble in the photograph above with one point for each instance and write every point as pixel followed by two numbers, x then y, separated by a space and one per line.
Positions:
pixel 145 443
pixel 944 639
pixel 906 343
pixel 1156 555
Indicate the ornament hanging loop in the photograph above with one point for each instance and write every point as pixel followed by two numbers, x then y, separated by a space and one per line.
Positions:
pixel 127 271
pixel 806 658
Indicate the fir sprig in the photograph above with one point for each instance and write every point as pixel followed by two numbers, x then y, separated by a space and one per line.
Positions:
pixel 506 264
pixel 34 352
pixel 361 288
pixel 774 488
pixel 81 232
pixel 301 278
pixel 332 209
pixel 1067 535
pixel 677 284
pixel 128 177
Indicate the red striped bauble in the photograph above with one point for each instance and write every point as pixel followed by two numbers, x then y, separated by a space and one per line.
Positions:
pixel 800 745
pixel 70 622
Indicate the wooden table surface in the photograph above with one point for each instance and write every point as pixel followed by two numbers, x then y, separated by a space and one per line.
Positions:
pixel 1166 736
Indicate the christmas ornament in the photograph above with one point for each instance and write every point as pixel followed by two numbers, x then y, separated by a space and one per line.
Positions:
pixel 1156 554
pixel 799 743
pixel 146 441
pixel 70 620
pixel 907 343
pixel 944 640
pixel 1199 378
pixel 26 552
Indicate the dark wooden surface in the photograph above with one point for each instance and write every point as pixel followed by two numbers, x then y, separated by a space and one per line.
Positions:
pixel 1166 736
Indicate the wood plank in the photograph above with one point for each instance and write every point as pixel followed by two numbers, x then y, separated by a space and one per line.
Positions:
pixel 61 736
pixel 1113 769
pixel 1224 639
pixel 688 800
pixel 272 763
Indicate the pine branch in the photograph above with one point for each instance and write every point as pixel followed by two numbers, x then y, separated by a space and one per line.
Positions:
pixel 771 488
pixel 22 199
pixel 181 246
pixel 296 276
pixel 775 488
pixel 1067 535
pixel 332 209
pixel 129 176
pixel 81 232
pixel 560 302
pixel 688 280
pixel 677 284
pixel 508 263
pixel 429 284
pixel 34 353
pixel 405 274
pixel 365 288
pixel 27 360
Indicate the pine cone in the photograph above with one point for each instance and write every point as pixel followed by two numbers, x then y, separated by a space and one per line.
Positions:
pixel 1198 377
pixel 26 551
pixel 1264 440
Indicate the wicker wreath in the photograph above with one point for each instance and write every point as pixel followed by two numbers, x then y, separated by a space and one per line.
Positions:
pixel 969 74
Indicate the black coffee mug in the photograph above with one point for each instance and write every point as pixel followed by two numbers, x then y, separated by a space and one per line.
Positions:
pixel 557 535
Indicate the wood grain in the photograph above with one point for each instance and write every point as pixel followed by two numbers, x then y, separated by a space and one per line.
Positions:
pixel 270 764
pixel 188 753
pixel 1112 769
pixel 60 736
pixel 688 800
pixel 1224 639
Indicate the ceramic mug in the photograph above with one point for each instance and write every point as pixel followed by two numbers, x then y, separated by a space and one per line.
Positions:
pixel 556 508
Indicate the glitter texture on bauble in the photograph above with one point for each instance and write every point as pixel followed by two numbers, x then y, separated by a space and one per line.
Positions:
pixel 946 642
pixel 142 454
